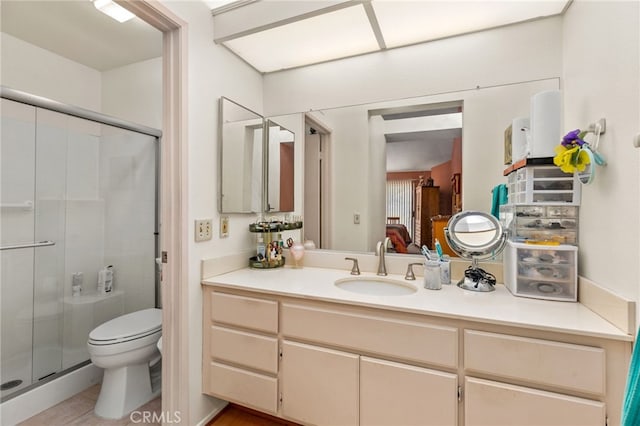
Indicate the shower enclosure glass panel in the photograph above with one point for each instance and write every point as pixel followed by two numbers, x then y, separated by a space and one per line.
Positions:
pixel 90 188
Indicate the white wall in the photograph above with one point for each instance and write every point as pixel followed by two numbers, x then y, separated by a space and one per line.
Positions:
pixel 516 53
pixel 34 70
pixel 601 78
pixel 212 72
pixel 134 92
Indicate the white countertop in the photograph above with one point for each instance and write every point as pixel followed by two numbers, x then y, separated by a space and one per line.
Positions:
pixel 497 307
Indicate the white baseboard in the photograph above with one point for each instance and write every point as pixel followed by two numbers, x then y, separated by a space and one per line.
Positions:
pixel 49 394
pixel 212 414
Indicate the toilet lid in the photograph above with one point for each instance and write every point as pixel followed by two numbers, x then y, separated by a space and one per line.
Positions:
pixel 129 325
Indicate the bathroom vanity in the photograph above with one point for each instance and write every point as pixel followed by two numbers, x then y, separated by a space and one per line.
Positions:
pixel 291 344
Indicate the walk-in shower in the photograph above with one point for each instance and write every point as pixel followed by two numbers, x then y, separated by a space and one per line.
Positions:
pixel 79 192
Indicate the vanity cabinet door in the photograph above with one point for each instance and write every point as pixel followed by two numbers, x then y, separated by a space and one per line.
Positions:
pixel 394 394
pixel 499 404
pixel 319 386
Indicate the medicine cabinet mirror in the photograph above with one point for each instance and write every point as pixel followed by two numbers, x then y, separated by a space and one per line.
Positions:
pixel 280 168
pixel 256 162
pixel 241 154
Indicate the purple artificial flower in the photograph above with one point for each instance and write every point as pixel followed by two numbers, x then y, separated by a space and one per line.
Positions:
pixel 572 138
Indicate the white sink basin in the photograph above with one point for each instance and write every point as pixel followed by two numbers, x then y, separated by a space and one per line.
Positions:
pixel 376 286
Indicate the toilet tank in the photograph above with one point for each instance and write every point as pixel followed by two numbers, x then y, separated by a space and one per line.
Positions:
pixel 81 315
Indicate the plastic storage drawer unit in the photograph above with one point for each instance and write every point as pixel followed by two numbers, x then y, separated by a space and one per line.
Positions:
pixel 558 224
pixel 542 271
pixel 543 185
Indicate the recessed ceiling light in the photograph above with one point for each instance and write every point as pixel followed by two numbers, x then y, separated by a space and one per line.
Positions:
pixel 408 22
pixel 337 34
pixel 113 10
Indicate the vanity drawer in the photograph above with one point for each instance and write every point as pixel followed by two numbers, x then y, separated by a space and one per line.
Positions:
pixel 244 387
pixel 247 312
pixel 246 349
pixel 542 362
pixel 499 404
pixel 359 332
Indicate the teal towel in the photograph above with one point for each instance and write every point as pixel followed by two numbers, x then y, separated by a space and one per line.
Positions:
pixel 631 404
pixel 499 198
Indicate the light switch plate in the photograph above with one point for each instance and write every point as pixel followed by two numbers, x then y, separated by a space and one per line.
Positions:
pixel 356 218
pixel 224 226
pixel 203 229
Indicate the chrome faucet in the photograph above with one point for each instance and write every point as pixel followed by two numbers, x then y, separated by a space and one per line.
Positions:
pixel 381 248
pixel 355 270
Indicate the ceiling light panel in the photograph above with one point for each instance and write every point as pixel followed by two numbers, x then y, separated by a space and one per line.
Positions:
pixel 339 34
pixel 406 22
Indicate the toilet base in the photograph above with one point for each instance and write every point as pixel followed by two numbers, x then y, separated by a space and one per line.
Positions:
pixel 123 390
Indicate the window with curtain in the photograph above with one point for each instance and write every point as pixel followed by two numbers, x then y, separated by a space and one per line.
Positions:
pixel 400 202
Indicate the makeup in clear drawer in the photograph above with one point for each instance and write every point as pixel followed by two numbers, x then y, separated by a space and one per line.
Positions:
pixel 541 271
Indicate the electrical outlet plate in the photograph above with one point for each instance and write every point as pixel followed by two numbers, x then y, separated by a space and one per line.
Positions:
pixel 224 226
pixel 203 229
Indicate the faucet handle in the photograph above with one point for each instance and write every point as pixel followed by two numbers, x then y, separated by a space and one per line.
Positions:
pixel 410 275
pixel 355 270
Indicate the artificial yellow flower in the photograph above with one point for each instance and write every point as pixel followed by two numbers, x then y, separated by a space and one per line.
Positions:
pixel 571 159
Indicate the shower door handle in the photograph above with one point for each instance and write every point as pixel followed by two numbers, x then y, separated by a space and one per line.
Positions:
pixel 29 245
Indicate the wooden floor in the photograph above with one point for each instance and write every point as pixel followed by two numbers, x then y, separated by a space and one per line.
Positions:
pixel 78 410
pixel 234 415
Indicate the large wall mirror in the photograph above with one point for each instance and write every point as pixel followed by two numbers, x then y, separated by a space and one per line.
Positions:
pixel 352 153
pixel 256 162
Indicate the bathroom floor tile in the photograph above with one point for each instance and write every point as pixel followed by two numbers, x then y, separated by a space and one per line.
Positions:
pixel 78 411
pixel 63 413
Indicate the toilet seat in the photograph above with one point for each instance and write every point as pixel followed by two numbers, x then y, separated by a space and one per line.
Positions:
pixel 133 326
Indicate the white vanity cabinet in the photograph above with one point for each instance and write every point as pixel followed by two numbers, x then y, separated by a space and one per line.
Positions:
pixel 240 346
pixel 325 363
pixel 394 393
pixel 335 374
pixel 537 363
pixel 319 386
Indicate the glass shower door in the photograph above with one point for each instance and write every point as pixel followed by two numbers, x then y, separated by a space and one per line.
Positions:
pixel 88 191
pixel 17 154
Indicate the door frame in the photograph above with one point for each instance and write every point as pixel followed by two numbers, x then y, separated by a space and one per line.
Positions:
pixel 173 205
pixel 326 218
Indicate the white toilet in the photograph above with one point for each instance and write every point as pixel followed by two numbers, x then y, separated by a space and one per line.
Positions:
pixel 125 347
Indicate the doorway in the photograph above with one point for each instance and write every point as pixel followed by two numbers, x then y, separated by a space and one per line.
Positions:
pixel 317 183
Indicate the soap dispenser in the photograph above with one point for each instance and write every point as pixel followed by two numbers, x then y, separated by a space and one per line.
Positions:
pixel 76 284
pixel 105 280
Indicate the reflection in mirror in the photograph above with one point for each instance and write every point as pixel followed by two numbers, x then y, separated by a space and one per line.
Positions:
pixel 280 170
pixel 352 205
pixel 391 167
pixel 241 158
pixel 475 235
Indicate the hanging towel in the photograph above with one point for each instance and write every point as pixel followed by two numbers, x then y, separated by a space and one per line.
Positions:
pixel 499 198
pixel 631 404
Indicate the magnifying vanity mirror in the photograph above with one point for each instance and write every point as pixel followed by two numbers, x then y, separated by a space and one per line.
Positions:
pixel 475 236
